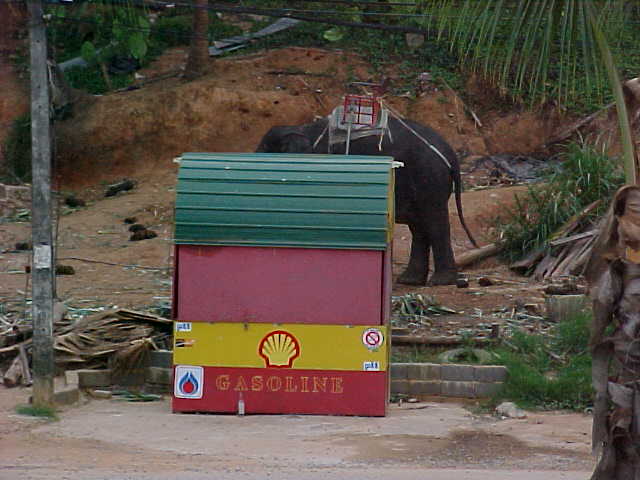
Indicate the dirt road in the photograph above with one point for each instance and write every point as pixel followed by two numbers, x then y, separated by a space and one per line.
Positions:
pixel 110 439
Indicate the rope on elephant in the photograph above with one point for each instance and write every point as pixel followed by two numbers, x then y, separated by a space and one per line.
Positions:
pixel 315 144
pixel 397 116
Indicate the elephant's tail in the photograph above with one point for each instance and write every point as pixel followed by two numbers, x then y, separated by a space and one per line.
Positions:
pixel 457 181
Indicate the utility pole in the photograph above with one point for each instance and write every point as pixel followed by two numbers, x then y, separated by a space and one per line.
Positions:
pixel 41 231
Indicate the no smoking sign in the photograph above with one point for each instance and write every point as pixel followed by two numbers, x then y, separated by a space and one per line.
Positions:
pixel 372 338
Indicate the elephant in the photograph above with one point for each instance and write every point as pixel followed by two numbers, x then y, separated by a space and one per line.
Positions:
pixel 422 187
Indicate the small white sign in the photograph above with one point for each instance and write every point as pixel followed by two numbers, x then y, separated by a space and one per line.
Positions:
pixel 189 382
pixel 42 257
pixel 183 326
pixel 371 366
pixel 372 338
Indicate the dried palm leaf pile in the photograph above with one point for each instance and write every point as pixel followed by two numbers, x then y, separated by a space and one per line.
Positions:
pixel 118 339
pixel 92 340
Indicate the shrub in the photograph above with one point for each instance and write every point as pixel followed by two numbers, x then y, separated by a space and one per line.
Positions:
pixel 549 372
pixel 584 177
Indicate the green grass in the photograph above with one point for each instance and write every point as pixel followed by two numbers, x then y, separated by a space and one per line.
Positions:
pixel 549 373
pixel 33 411
pixel 585 176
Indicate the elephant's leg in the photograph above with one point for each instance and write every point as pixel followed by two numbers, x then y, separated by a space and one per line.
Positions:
pixel 418 268
pixel 439 234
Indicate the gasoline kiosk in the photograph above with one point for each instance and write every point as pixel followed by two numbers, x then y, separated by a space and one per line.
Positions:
pixel 282 284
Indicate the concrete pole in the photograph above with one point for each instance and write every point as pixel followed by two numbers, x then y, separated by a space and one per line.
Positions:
pixel 41 230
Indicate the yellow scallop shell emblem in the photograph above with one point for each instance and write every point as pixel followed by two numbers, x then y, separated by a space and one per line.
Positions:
pixel 279 349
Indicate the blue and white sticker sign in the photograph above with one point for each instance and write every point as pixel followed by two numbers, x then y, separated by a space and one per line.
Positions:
pixel 188 382
pixel 371 366
pixel 183 326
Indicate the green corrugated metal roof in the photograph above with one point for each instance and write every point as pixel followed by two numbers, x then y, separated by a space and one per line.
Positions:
pixel 292 200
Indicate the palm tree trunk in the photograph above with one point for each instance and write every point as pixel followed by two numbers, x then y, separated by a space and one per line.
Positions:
pixel 198 59
pixel 614 277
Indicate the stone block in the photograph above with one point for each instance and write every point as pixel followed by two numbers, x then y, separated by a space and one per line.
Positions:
pixel 458 373
pixel 161 358
pixel 490 373
pixel 399 371
pixel 485 390
pixel 66 395
pixel 423 371
pixel 400 386
pixel 459 389
pixel 132 378
pixel 424 387
pixel 159 376
pixel 71 377
pixel 94 378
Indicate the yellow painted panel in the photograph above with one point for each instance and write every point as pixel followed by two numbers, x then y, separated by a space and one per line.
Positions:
pixel 297 346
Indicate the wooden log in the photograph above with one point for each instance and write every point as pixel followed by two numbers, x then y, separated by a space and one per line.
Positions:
pixel 13 375
pixel 24 362
pixel 422 340
pixel 477 254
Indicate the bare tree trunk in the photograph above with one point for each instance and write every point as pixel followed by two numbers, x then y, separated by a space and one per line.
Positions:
pixel 198 59
pixel 613 274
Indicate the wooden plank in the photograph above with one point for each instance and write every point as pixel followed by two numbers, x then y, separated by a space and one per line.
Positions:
pixel 295 346
pixel 265 391
pixel 523 266
pixel 573 238
pixel 572 251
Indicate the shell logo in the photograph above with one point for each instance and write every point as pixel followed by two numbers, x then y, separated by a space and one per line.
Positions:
pixel 279 349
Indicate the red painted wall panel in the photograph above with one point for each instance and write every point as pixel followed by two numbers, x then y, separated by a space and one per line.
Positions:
pixel 279 285
pixel 316 392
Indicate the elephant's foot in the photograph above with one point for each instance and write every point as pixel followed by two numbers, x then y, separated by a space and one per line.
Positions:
pixel 411 278
pixel 448 277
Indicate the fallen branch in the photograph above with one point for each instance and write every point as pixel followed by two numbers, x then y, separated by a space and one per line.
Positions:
pixel 572 129
pixel 88 260
pixel 477 254
pixel 15 346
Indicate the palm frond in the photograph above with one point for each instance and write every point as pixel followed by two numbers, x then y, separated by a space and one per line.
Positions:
pixel 541 48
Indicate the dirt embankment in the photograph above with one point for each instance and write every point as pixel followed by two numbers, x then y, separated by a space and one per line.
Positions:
pixel 14 84
pixel 141 131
